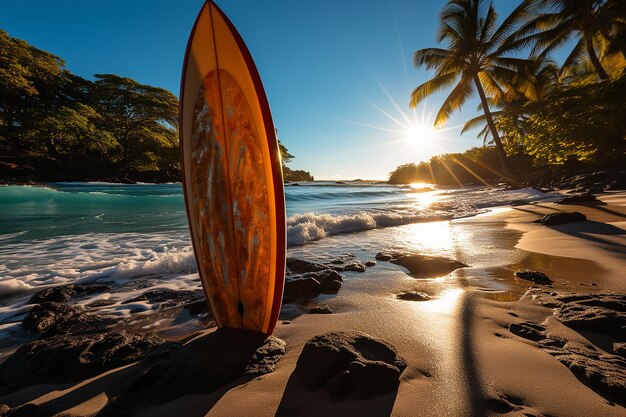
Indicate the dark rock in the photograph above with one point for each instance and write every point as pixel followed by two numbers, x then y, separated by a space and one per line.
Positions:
pixel 381 256
pixel 619 348
pixel 331 287
pixel 349 364
pixel 167 298
pixel 201 366
pixel 421 266
pixel 597 319
pixel 413 296
pixel 325 276
pixel 604 373
pixel 65 292
pixel 199 307
pixel 301 288
pixel 580 198
pixel 535 276
pixel 554 219
pixel 528 330
pixel 65 358
pixel 355 266
pixel 320 309
pixel 300 266
pixel 370 264
pixel 49 319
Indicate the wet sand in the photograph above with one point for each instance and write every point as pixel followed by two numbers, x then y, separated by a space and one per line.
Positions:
pixel 462 359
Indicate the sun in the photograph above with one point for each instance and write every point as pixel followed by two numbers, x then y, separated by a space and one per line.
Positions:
pixel 420 133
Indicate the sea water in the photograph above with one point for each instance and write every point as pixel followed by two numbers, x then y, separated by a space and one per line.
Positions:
pixel 135 236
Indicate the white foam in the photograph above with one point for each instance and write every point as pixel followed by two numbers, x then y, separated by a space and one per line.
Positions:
pixel 12 286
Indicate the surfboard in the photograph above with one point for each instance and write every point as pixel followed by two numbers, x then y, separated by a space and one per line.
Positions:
pixel 232 177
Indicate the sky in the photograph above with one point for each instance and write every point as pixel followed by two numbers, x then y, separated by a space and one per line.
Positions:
pixel 338 73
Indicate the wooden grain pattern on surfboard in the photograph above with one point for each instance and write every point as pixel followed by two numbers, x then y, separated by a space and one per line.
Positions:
pixel 232 177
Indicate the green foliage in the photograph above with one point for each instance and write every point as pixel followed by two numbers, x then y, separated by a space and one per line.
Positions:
pixel 585 123
pixel 113 126
pixel 474 166
pixel 475 60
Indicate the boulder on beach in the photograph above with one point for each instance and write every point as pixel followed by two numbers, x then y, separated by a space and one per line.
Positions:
pixel 49 319
pixel 537 277
pixel 301 266
pixel 349 364
pixel 201 366
pixel 301 288
pixel 578 199
pixel 67 358
pixel 320 309
pixel 413 296
pixel 555 219
pixel 65 292
pixel 421 266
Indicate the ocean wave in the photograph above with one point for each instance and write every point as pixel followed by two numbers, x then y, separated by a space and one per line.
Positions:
pixel 309 227
pixel 166 263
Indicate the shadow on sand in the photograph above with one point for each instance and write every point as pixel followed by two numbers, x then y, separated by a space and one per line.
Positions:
pixel 299 401
pixel 198 374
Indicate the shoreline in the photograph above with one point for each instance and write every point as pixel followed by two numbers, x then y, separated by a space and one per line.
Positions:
pixel 462 353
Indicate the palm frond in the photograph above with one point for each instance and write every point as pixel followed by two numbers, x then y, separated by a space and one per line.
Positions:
pixel 431 86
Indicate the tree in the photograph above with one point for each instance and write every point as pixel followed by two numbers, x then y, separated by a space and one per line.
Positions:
pixel 475 60
pixel 593 22
pixel 139 116
pixel 544 73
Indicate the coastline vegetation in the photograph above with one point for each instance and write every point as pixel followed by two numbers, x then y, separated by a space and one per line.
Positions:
pixel 536 114
pixel 57 126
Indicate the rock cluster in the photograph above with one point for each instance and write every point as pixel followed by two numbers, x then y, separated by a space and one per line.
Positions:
pixel 349 364
pixel 600 315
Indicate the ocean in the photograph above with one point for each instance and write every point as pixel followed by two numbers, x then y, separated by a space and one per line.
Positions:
pixel 135 237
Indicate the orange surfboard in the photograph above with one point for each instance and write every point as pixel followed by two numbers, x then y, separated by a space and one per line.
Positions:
pixel 232 177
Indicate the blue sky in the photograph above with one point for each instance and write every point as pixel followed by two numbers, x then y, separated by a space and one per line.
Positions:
pixel 331 69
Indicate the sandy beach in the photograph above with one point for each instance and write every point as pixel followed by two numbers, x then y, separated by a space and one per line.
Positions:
pixel 478 341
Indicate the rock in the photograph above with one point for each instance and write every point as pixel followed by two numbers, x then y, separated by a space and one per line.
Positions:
pixel 349 364
pixel 535 276
pixel 4 409
pixel 381 256
pixel 604 373
pixel 597 319
pixel 580 198
pixel 370 264
pixel 554 219
pixel 354 266
pixel 66 358
pixel 329 280
pixel 421 266
pixel 331 287
pixel 201 366
pixel 619 348
pixel 65 292
pixel 320 309
pixel 300 266
pixel 167 298
pixel 49 319
pixel 301 288
pixel 413 296
pixel 528 330
pixel 325 276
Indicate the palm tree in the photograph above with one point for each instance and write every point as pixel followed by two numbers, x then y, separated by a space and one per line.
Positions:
pixel 544 75
pixel 474 59
pixel 593 22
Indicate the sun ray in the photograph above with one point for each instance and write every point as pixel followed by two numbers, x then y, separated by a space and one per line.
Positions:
pixel 387 114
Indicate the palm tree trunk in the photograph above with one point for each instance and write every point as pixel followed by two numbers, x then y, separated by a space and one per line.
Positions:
pixel 594 58
pixel 492 127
